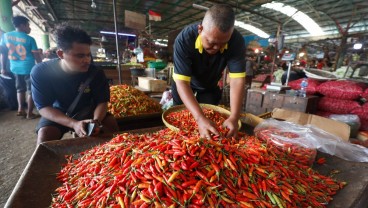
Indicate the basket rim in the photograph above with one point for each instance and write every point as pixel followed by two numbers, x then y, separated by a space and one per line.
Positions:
pixel 202 105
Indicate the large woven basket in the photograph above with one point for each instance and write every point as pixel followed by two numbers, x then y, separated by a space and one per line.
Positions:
pixel 223 111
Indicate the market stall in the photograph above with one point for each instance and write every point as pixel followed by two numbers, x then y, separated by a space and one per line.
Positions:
pixel 174 166
pixel 38 181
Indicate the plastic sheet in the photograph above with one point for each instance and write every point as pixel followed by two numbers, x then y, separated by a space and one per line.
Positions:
pixel 314 138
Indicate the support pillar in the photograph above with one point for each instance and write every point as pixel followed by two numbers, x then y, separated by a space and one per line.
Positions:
pixel 45 41
pixel 6 14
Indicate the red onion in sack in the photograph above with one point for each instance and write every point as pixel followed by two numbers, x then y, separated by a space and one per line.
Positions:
pixel 362 112
pixel 312 85
pixel 346 90
pixel 337 106
pixel 365 94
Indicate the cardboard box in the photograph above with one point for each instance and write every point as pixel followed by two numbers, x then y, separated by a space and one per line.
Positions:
pixel 152 84
pixel 337 128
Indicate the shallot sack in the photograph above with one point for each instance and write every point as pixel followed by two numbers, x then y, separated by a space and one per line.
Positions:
pixel 314 138
pixel 365 94
pixel 311 88
pixel 342 89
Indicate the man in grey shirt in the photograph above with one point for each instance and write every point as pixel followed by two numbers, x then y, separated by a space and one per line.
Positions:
pixel 249 70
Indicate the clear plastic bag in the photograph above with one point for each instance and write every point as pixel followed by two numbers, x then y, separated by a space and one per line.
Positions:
pixel 311 138
pixel 287 141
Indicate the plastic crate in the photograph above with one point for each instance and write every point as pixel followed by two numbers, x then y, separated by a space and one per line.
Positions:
pixel 157 65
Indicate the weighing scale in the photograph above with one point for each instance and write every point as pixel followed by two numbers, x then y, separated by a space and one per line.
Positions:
pixel 277 87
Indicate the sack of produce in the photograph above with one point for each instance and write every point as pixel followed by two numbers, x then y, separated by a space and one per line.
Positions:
pixel 361 112
pixel 365 94
pixel 337 106
pixel 309 137
pixel 342 89
pixel 281 137
pixel 350 119
pixel 311 88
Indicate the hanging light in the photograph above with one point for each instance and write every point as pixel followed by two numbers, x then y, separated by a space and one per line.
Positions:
pixel 93 5
pixel 357 46
pixel 103 39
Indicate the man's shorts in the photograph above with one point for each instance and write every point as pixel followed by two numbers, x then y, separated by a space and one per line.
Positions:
pixel 63 129
pixel 45 122
pixel 23 82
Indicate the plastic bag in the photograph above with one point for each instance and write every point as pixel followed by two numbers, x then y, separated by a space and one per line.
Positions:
pixel 286 140
pixel 166 100
pixel 350 119
pixel 314 138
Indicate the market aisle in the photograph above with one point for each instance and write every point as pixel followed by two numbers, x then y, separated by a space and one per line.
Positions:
pixel 17 143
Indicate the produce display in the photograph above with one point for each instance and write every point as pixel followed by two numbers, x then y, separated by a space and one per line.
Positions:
pixel 365 94
pixel 180 169
pixel 341 89
pixel 184 120
pixel 311 88
pixel 125 100
pixel 337 106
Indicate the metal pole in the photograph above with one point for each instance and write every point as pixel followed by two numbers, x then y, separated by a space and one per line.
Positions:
pixel 276 50
pixel 117 40
pixel 288 73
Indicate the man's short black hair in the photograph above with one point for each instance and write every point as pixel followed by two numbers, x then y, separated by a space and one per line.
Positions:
pixel 19 20
pixel 222 16
pixel 66 35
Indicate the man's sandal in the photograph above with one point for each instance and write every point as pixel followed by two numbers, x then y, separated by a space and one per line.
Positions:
pixel 33 116
pixel 21 113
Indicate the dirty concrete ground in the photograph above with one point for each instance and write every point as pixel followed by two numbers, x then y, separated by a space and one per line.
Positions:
pixel 17 144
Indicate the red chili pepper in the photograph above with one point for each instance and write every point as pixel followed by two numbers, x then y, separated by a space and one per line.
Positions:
pixel 184 165
pixel 194 165
pixel 188 183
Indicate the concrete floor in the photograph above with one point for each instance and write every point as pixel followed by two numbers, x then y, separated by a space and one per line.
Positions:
pixel 17 143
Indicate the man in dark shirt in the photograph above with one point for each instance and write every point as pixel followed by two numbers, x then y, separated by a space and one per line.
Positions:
pixel 201 53
pixel 56 83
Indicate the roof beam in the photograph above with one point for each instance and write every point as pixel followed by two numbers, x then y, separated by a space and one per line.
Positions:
pixel 243 8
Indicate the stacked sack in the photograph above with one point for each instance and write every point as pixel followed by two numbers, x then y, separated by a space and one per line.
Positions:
pixel 311 88
pixel 340 97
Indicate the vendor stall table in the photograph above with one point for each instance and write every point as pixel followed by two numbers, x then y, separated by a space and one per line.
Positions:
pixel 140 121
pixel 38 180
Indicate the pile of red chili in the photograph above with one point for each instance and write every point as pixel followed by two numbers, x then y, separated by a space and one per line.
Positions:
pixel 125 101
pixel 168 169
pixel 184 120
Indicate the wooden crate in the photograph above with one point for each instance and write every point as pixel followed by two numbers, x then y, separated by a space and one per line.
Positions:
pixel 152 84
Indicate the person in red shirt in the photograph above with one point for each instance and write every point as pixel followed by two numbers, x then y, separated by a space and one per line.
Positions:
pixel 320 64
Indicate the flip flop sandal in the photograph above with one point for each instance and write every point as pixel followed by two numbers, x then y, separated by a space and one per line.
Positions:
pixel 33 116
pixel 21 113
